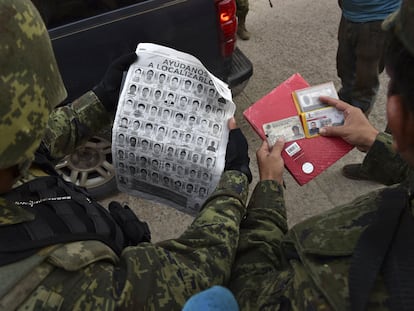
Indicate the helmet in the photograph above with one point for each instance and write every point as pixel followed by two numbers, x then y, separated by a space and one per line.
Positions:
pixel 30 82
pixel 401 23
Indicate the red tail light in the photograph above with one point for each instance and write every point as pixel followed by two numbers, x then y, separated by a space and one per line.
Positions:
pixel 226 10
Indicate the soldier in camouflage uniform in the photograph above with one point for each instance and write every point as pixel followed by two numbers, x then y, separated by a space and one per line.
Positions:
pixel 242 10
pixel 60 250
pixel 358 256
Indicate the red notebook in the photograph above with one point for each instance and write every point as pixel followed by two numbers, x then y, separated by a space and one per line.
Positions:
pixel 311 156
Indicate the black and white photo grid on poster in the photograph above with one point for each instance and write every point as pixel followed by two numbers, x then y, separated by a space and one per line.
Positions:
pixel 170 131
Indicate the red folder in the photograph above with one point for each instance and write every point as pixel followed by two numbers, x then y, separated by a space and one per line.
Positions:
pixel 317 153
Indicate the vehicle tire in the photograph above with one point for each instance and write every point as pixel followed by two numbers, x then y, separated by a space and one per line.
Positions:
pixel 91 167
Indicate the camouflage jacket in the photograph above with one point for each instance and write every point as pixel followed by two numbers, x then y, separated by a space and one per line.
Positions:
pixel 72 125
pixel 393 169
pixel 88 275
pixel 306 267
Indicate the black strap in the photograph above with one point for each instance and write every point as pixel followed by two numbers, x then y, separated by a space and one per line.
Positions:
pixel 399 265
pixel 373 246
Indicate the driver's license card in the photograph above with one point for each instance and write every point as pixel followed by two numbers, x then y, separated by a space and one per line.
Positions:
pixel 290 129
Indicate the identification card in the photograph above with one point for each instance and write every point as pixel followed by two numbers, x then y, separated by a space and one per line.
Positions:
pixel 290 129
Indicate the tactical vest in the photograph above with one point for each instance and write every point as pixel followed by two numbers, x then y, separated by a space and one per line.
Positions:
pixel 65 213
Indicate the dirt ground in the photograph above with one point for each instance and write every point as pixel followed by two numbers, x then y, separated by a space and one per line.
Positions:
pixel 292 36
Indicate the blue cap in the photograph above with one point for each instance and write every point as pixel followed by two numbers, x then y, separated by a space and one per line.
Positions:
pixel 216 298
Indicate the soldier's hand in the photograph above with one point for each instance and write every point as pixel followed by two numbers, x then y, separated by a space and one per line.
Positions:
pixel 270 161
pixel 237 156
pixel 356 130
pixel 135 231
pixel 108 89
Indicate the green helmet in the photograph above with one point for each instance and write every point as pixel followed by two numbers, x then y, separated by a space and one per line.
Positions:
pixel 30 82
pixel 402 24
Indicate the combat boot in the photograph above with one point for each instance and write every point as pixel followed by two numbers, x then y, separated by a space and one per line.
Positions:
pixel 241 29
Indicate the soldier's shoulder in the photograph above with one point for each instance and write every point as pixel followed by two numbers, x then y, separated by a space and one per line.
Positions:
pixel 324 233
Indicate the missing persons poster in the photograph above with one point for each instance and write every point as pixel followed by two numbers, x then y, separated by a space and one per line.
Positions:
pixel 170 131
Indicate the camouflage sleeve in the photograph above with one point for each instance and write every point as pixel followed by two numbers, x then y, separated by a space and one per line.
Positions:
pixel 383 164
pixel 72 125
pixel 261 233
pixel 168 273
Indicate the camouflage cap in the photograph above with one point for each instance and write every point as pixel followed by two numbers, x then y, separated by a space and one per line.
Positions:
pixel 30 82
pixel 401 23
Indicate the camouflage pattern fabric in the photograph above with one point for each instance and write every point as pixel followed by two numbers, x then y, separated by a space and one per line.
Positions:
pixel 242 8
pixel 305 268
pixel 402 24
pixel 72 125
pixel 30 83
pixel 394 168
pixel 87 275
pixel 69 127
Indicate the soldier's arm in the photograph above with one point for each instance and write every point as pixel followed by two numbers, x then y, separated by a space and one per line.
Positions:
pixel 72 125
pixel 383 164
pixel 263 229
pixel 166 274
pixel 261 233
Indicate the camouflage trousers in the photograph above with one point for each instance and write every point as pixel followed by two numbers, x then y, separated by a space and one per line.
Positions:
pixel 360 60
pixel 242 8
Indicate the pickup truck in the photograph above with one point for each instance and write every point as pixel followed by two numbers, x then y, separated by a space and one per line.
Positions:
pixel 87 35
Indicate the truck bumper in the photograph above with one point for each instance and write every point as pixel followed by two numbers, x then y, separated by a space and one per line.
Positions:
pixel 240 72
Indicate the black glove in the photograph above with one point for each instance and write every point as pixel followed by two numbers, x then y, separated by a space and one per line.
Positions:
pixel 135 230
pixel 237 156
pixel 108 89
